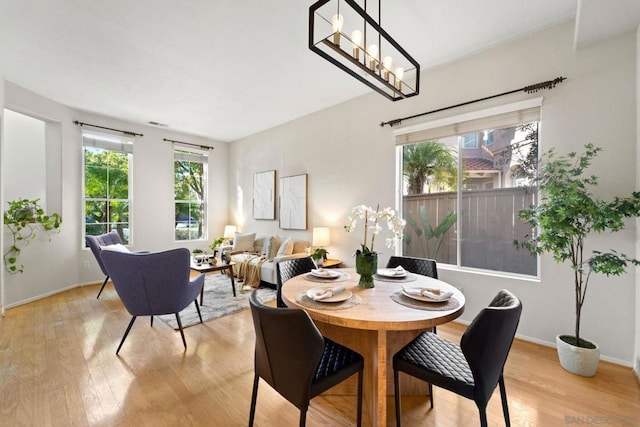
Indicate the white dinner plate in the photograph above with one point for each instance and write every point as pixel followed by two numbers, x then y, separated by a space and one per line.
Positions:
pixel 423 298
pixel 327 274
pixel 342 296
pixel 390 272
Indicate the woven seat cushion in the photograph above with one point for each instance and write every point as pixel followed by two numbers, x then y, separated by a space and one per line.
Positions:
pixel 437 361
pixel 334 359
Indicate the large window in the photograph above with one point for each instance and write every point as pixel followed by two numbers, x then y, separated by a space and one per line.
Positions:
pixel 461 206
pixel 107 167
pixel 190 190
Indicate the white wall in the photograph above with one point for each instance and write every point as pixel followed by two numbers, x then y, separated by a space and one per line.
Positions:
pixel 57 265
pixel 637 340
pixel 350 160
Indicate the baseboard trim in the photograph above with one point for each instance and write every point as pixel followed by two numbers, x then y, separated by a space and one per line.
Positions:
pixel 48 294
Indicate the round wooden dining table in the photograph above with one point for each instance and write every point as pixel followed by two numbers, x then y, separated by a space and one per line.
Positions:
pixel 376 322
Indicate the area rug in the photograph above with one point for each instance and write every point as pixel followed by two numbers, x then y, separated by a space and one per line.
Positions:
pixel 218 301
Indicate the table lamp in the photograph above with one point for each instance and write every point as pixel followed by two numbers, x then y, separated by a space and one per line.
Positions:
pixel 229 231
pixel 321 237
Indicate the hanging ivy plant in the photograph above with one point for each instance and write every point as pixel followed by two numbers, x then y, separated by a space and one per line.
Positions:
pixel 24 218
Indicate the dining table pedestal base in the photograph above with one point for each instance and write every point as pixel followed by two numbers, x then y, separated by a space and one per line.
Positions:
pixel 378 348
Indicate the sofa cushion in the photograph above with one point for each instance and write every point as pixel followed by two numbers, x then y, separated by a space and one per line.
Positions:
pixel 286 248
pixel 244 242
pixel 260 244
pixel 116 247
pixel 300 246
pixel 271 248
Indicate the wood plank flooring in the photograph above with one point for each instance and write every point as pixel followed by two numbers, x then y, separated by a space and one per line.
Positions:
pixel 58 368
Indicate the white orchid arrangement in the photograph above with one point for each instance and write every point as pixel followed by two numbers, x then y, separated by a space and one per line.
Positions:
pixel 372 220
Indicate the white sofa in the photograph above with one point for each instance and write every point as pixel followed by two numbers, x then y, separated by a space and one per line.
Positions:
pixel 269 249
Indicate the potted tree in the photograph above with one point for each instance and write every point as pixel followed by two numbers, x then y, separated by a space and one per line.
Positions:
pixel 23 218
pixel 565 216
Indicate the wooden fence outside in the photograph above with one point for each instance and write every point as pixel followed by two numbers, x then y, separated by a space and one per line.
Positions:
pixel 487 225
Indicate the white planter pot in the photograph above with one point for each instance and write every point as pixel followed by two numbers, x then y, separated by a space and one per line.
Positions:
pixel 577 360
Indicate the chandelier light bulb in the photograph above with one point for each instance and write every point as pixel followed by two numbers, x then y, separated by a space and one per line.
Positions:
pixel 399 75
pixel 337 21
pixel 387 63
pixel 373 55
pixel 356 40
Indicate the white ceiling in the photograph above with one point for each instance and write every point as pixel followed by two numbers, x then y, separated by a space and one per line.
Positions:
pixel 226 69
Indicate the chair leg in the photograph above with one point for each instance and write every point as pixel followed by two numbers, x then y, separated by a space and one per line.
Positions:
pixel 198 308
pixel 279 302
pixel 133 319
pixel 151 321
pixel 181 331
pixel 483 417
pixel 303 416
pixel 106 279
pixel 396 391
pixel 359 416
pixel 254 398
pixel 431 395
pixel 505 406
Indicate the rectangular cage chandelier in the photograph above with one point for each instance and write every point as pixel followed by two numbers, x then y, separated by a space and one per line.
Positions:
pixel 344 34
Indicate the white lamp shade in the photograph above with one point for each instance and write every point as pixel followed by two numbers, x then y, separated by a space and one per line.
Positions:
pixel 321 236
pixel 228 231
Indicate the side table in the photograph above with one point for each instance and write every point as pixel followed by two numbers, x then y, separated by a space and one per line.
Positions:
pixel 208 268
pixel 330 263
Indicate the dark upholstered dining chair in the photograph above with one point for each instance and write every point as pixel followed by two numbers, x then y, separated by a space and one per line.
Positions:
pixel 475 367
pixel 288 269
pixel 421 266
pixel 296 360
pixel 95 243
pixel 152 284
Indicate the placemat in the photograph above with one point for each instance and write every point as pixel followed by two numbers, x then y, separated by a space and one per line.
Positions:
pixel 305 301
pixel 402 299
pixel 408 278
pixel 343 276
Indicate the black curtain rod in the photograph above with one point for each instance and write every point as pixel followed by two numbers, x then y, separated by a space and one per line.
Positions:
pixel 188 143
pixel 126 132
pixel 549 84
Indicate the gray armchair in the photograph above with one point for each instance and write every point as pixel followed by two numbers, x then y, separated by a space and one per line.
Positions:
pixel 95 243
pixel 151 284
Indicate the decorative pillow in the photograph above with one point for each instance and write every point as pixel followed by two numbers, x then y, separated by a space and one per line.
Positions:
pixel 243 242
pixel 117 247
pixel 259 244
pixel 286 248
pixel 272 248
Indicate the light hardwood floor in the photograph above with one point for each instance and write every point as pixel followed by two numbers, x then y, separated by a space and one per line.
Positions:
pixel 58 368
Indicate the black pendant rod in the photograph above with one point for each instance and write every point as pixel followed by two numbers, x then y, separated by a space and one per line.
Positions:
pixel 126 132
pixel 549 84
pixel 188 143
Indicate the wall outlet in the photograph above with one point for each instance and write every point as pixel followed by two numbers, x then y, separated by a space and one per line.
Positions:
pixel 85 264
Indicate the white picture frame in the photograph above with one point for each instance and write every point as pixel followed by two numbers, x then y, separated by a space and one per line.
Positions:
pixel 293 202
pixel 264 195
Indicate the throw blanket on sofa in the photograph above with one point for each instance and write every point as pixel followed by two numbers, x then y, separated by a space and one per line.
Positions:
pixel 248 268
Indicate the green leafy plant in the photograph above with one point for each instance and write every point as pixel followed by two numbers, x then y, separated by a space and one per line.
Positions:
pixel 424 228
pixel 567 214
pixel 23 218
pixel 319 253
pixel 214 245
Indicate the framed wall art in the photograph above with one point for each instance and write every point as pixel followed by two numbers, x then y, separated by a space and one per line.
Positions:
pixel 293 202
pixel 264 195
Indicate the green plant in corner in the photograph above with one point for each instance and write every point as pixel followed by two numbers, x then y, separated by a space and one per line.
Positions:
pixel 23 218
pixel 567 214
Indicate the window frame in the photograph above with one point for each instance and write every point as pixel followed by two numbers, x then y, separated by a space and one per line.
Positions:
pixel 193 155
pixel 118 144
pixel 402 136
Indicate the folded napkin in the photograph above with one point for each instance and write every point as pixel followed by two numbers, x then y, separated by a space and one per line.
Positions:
pixel 431 293
pixel 399 271
pixel 325 293
pixel 321 272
